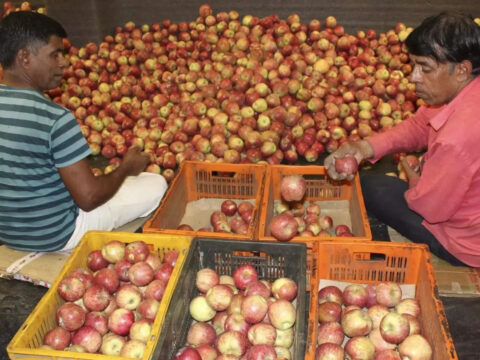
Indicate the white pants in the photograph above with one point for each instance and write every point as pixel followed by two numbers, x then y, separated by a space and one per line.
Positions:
pixel 137 197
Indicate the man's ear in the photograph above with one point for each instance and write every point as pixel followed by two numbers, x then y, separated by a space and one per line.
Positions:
pixel 23 57
pixel 463 70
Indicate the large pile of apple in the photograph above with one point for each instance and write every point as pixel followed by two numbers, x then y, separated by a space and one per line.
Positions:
pixel 225 88
pixel 240 316
pixel 369 322
pixel 111 304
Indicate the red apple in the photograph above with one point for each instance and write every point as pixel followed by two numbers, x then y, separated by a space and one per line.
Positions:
pixel 201 333
pixel 355 294
pixel 360 347
pixel 293 187
pixel 229 207
pixel 148 308
pixel 155 290
pixel 71 288
pixel 376 313
pixel 254 308
pixel 140 330
pixel 394 328
pixel 243 275
pixel 219 297
pixel 262 333
pixel 112 344
pixel 113 251
pixel 89 338
pixel 232 343
pixel 330 293
pixel 136 251
pixel 387 355
pixel 330 332
pixel 356 323
pixel 283 227
pixel 347 165
pixel 133 349
pixel 236 322
pixel 408 306
pixel 329 351
pixel 284 288
pixel 96 298
pixel 371 295
pixel 70 316
pixel 58 338
pixel 415 347
pixel 95 260
pixel 140 273
pixel 258 288
pixel 388 293
pixel 128 297
pixel 120 321
pixel 164 272
pixel 379 342
pixel 107 278
pixel 261 352
pixel 187 353
pixel 98 321
pixel 207 352
pixel 121 268
pixel 282 314
pixel 171 257
pixel 154 261
pixel 205 279
pixel 329 311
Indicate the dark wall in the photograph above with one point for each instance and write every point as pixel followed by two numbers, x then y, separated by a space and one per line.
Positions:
pixel 91 20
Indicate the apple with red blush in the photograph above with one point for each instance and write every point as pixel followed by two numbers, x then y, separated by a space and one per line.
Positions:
pixel 284 288
pixel 140 273
pixel 330 332
pixel 58 338
pixel 95 260
pixel 243 275
pixel 70 316
pixel 89 338
pixel 201 333
pixel 136 251
pixel 120 321
pixel 71 288
pixel 355 294
pixel 205 279
pixel 330 293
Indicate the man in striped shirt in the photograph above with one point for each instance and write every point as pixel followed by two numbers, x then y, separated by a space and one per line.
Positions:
pixel 48 194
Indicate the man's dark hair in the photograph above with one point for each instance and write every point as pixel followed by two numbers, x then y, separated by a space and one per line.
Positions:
pixel 24 29
pixel 447 37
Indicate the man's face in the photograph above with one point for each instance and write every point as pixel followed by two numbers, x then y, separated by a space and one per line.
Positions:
pixel 435 83
pixel 46 64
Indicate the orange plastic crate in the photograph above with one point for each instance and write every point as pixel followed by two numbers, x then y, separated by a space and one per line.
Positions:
pixel 29 337
pixel 197 180
pixel 374 262
pixel 319 188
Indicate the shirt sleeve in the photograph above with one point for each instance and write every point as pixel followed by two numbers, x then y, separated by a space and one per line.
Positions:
pixel 436 198
pixel 410 135
pixel 67 142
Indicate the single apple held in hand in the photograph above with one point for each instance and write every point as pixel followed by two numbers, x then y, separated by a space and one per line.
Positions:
pixel 347 165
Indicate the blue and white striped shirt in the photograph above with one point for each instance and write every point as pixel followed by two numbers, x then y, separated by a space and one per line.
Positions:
pixel 37 136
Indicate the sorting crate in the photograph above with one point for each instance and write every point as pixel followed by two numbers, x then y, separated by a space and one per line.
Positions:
pixel 271 261
pixel 197 180
pixel 319 188
pixel 404 263
pixel 29 337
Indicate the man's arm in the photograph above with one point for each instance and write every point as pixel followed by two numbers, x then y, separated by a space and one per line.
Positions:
pixel 89 191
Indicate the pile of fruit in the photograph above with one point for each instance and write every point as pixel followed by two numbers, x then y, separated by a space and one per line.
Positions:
pixel 110 306
pixel 369 322
pixel 240 316
pixel 296 217
pixel 231 218
pixel 226 88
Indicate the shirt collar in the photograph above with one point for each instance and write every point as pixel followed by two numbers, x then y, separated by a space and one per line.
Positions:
pixel 445 111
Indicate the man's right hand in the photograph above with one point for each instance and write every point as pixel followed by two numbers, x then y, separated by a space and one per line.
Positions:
pixel 135 161
pixel 361 150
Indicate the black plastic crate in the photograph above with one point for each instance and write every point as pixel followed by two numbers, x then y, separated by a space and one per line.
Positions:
pixel 271 260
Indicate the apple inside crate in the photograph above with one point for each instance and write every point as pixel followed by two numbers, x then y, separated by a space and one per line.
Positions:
pixel 199 189
pixel 270 260
pixel 396 276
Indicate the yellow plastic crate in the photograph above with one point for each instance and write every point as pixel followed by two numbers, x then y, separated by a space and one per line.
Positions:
pixel 29 337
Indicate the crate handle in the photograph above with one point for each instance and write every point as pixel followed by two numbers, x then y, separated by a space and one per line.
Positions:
pixel 224 174
pixel 369 256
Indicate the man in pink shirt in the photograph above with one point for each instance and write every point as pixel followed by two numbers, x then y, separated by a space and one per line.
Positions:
pixel 441 207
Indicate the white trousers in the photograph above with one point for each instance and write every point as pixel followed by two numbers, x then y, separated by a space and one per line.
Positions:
pixel 137 197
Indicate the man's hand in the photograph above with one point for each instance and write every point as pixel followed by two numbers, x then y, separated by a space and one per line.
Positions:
pixel 412 175
pixel 135 161
pixel 361 150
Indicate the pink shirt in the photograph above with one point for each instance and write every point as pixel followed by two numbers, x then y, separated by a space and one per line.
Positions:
pixel 447 195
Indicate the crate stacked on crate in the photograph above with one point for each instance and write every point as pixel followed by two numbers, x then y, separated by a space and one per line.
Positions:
pixel 343 201
pixel 27 341
pixel 199 189
pixel 346 262
pixel 270 260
